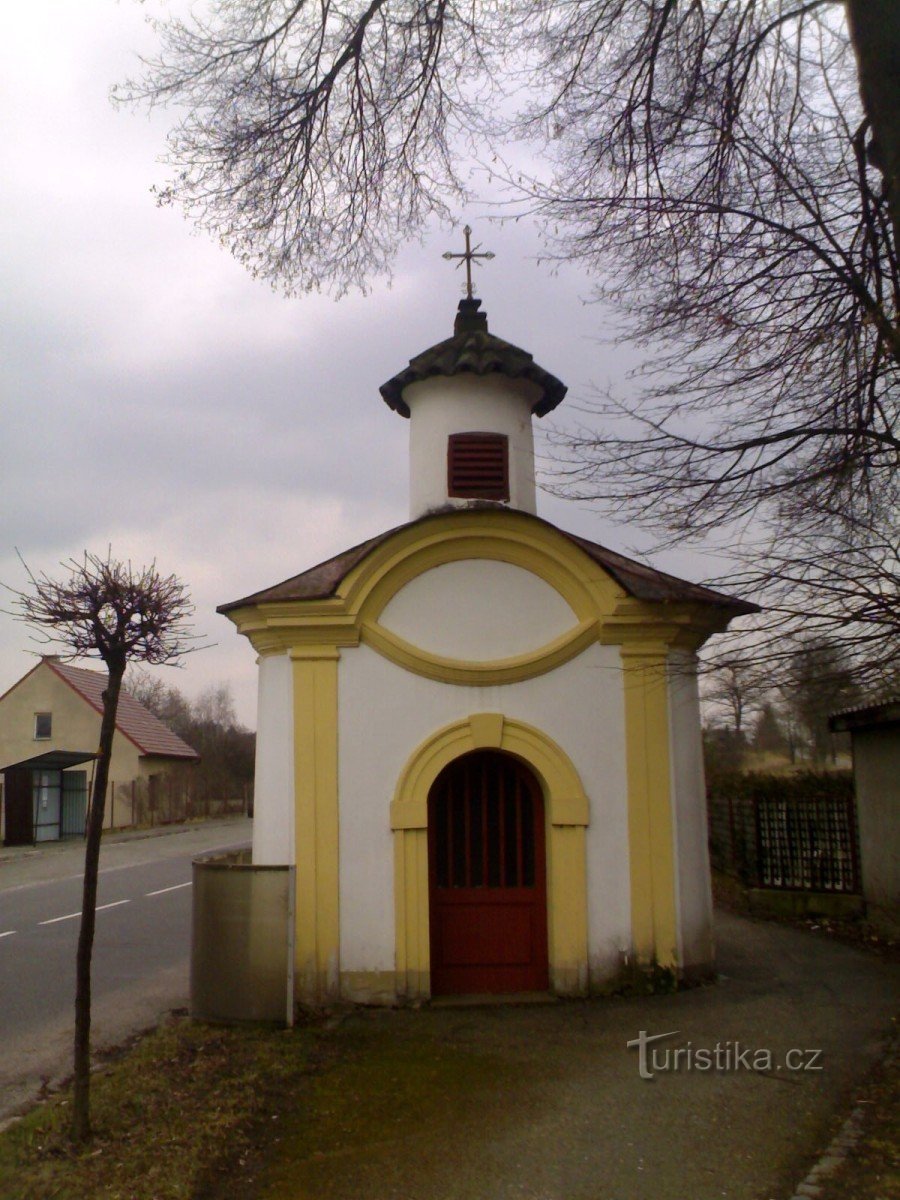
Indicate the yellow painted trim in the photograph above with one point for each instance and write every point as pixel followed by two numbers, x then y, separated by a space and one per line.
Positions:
pixel 566 812
pixel 369 987
pixel 486 730
pixel 479 674
pixel 502 536
pixel 602 609
pixel 313 632
pixel 317 930
pixel 654 918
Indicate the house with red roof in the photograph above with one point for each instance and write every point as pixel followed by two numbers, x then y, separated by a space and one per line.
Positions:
pixel 49 732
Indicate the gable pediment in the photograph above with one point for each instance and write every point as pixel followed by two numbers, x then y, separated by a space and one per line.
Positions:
pixel 483 595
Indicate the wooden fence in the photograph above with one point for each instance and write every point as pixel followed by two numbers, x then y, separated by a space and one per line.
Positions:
pixel 166 799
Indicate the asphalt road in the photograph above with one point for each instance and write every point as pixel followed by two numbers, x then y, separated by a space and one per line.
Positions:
pixel 141 947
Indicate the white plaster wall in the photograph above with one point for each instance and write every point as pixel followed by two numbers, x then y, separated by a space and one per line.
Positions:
pixel 478 610
pixel 386 712
pixel 468 404
pixel 693 883
pixel 876 766
pixel 273 802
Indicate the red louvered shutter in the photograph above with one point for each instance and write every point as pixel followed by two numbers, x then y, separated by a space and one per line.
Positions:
pixel 478 466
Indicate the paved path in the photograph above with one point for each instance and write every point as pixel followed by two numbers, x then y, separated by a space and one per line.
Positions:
pixel 141 947
pixel 546 1102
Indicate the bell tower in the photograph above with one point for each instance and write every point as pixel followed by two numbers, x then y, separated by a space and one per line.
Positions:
pixel 470 401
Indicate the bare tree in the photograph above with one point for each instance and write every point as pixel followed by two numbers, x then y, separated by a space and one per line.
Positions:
pixel 758 263
pixel 108 610
pixel 209 724
pixel 735 686
pixel 316 137
pixel 835 585
pixel 821 683
pixel 728 169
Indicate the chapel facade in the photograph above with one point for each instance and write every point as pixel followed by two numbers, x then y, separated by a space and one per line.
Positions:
pixel 479 735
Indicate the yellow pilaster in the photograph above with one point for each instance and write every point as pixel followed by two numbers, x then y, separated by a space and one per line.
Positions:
pixel 317 941
pixel 654 919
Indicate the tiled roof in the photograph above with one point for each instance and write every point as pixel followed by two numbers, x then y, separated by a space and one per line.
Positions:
pixel 637 579
pixel 869 716
pixel 474 351
pixel 135 721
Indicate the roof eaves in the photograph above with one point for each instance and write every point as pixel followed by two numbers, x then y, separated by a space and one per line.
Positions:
pixel 640 581
pixel 475 353
pixel 868 716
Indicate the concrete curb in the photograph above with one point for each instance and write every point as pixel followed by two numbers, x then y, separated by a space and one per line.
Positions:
pixel 842 1144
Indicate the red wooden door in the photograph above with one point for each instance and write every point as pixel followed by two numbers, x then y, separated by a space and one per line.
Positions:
pixel 487 877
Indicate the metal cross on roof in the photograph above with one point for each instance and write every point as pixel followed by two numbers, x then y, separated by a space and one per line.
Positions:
pixel 468 257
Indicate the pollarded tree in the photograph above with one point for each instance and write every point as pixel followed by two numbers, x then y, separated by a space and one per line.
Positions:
pixel 732 165
pixel 105 609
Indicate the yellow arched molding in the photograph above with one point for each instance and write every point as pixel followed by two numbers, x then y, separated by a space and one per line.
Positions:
pixel 566 811
pixel 503 536
pixel 601 608
pixel 480 674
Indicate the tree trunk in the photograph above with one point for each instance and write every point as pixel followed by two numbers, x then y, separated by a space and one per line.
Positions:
pixel 875 32
pixel 81 1112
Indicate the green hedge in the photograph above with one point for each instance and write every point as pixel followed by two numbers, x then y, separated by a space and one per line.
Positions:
pixel 805 785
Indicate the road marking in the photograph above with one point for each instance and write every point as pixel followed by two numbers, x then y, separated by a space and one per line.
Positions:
pixel 70 916
pixel 53 920
pixel 173 888
pixel 7 933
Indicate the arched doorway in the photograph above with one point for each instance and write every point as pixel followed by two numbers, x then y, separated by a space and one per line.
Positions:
pixel 487 877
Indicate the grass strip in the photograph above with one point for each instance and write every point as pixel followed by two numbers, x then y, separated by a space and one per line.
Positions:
pixel 176 1110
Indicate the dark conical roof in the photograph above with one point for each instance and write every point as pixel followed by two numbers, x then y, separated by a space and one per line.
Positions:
pixel 475 351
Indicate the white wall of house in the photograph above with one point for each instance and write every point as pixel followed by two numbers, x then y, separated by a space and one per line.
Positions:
pixel 693 883
pixel 477 611
pixel 876 769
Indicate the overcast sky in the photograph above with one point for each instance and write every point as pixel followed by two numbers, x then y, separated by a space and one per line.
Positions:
pixel 158 400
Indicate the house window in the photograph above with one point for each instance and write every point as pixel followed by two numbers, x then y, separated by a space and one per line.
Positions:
pixel 43 726
pixel 478 466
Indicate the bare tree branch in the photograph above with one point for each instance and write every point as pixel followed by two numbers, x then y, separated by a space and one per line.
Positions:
pixel 726 169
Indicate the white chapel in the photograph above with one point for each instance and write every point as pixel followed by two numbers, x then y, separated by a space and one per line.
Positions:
pixel 478 735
